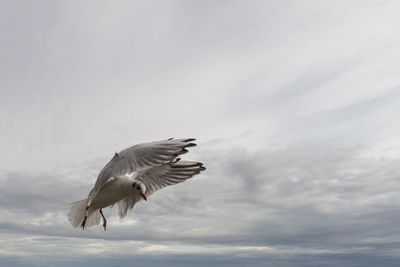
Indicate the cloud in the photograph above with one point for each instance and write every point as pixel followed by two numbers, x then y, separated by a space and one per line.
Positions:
pixel 293 106
pixel 302 200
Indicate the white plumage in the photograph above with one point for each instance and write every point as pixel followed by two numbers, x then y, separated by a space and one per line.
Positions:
pixel 132 175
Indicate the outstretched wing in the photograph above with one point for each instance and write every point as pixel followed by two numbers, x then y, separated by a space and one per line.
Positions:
pixel 141 156
pixel 158 177
pixel 171 173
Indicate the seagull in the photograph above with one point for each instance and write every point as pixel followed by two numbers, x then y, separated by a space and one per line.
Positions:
pixel 132 175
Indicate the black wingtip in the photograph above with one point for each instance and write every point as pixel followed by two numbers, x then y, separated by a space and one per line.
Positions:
pixel 175 160
pixel 190 145
pixel 200 164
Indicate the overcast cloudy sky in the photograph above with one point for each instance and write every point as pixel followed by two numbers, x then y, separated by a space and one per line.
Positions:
pixel 294 105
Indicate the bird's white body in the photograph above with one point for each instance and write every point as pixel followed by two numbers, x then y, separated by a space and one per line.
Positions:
pixel 112 192
pixel 131 175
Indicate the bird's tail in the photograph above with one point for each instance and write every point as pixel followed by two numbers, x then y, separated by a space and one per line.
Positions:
pixel 77 213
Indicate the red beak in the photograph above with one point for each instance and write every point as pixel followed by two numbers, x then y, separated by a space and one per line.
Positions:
pixel 143 196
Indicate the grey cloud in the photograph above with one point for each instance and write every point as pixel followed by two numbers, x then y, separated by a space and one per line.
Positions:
pixel 297 197
pixel 36 193
pixel 286 100
pixel 350 259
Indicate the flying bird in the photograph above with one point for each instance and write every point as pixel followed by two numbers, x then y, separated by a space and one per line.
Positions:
pixel 132 175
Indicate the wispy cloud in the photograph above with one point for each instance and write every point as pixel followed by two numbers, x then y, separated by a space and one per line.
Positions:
pixel 302 200
pixel 294 107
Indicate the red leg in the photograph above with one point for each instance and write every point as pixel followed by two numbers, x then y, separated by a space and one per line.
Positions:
pixel 85 218
pixel 104 220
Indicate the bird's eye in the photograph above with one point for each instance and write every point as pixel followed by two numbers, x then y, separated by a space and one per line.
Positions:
pixel 138 188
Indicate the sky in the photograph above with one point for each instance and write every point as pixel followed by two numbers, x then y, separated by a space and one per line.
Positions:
pixel 293 104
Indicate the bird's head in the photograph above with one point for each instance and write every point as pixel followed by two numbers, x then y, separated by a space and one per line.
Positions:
pixel 140 188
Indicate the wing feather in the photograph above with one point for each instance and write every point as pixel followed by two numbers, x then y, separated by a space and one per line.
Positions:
pixel 127 204
pixel 158 177
pixel 171 173
pixel 141 156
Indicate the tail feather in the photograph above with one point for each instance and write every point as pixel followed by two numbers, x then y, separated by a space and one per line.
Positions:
pixel 77 213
